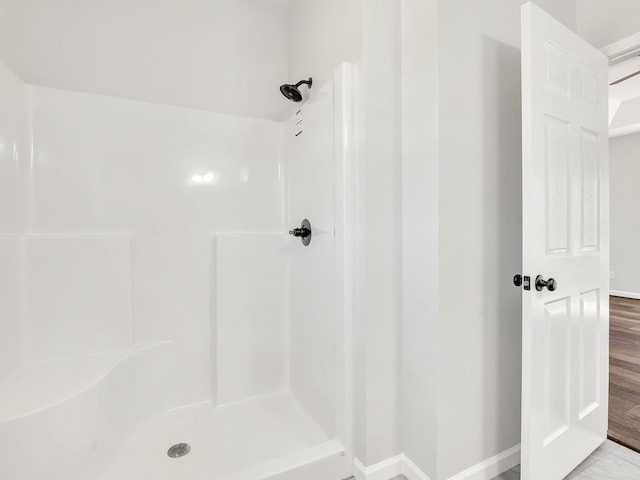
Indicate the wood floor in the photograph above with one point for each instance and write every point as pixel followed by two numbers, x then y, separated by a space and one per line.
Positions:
pixel 624 378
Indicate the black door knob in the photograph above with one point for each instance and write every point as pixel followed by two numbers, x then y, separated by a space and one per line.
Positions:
pixel 517 280
pixel 541 283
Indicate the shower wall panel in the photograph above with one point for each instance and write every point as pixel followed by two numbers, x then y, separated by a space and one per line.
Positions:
pixel 315 327
pixel 12 214
pixel 9 305
pixel 251 316
pixel 78 296
pixel 171 179
pixel 12 178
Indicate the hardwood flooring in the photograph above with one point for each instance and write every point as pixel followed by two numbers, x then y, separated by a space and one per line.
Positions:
pixel 624 376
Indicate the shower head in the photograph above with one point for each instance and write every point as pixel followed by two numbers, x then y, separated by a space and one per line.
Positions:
pixel 292 92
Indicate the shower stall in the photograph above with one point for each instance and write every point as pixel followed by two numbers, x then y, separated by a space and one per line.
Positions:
pixel 158 321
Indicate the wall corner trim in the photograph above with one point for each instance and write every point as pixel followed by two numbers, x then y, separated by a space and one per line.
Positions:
pixel 492 467
pixel 401 464
pixel 380 471
pixel 411 470
pixel 387 469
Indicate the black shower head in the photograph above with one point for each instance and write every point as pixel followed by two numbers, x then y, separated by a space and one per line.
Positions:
pixel 292 92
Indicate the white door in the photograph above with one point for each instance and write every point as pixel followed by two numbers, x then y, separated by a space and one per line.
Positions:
pixel 565 237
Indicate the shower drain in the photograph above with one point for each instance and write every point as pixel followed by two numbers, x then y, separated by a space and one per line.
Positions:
pixel 179 450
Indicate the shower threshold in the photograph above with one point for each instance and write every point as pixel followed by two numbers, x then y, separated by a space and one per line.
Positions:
pixel 248 440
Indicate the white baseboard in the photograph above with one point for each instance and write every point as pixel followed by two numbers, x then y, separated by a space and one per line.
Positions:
pixel 388 469
pixel 401 464
pixel 492 467
pixel 380 471
pixel 618 293
pixel 411 470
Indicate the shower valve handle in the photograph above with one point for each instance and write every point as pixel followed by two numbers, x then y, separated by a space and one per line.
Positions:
pixel 303 232
pixel 300 232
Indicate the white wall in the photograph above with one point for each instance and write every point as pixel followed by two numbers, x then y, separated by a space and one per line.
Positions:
pixel 603 22
pixel 12 213
pixel 480 227
pixel 107 167
pixel 420 247
pixel 378 263
pixel 322 35
pixel 226 56
pixel 471 143
pixel 624 153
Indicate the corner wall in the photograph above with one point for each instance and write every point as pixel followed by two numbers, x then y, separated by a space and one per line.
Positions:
pixel 480 232
pixel 379 262
pixel 419 365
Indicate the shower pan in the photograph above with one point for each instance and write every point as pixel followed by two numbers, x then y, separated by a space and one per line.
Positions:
pixel 160 320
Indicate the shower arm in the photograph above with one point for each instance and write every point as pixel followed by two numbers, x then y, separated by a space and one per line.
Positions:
pixel 304 82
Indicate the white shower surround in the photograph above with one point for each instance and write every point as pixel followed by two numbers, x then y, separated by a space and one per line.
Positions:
pixel 110 215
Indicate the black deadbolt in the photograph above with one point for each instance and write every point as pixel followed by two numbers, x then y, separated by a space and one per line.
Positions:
pixel 523 281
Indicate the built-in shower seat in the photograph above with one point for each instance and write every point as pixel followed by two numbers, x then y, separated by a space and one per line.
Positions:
pixel 38 386
pixel 67 418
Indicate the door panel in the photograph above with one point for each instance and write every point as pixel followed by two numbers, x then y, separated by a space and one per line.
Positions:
pixel 565 236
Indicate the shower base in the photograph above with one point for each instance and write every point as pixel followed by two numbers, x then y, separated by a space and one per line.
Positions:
pixel 267 437
pixel 104 418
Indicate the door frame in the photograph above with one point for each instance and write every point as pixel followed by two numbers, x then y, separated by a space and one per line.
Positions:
pixel 617 52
